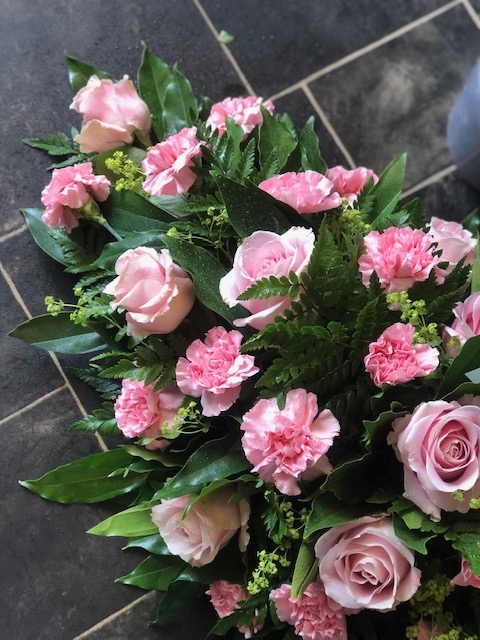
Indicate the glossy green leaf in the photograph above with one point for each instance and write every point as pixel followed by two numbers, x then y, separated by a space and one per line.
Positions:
pixel 153 78
pixel 153 544
pixel 128 211
pixel 41 235
pixel 154 573
pixel 469 546
pixel 328 511
pixel 79 72
pixel 306 567
pixel 59 334
pixel 467 360
pixel 275 136
pixel 180 105
pixel 387 192
pixel 87 480
pixel 413 538
pixel 114 250
pixel 131 523
pixel 179 597
pixel 311 157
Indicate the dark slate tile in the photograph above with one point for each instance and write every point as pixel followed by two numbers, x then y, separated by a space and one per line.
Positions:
pixel 57 580
pixel 277 46
pixel 476 5
pixel 398 99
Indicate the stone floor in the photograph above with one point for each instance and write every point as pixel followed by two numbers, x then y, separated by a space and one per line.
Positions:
pixel 380 77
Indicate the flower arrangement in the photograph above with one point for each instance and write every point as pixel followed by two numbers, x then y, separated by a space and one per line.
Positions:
pixel 288 355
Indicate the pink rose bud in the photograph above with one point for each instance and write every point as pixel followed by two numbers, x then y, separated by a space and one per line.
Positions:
pixel 70 189
pixel 156 293
pixel 349 182
pixel 168 164
pixel 112 113
pixel 244 112
pixel 209 524
pixel 306 192
pixel 465 577
pixel 466 325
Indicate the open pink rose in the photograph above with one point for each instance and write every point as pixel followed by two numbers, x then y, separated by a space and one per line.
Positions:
pixel 349 182
pixel 215 369
pixel 313 615
pixel 286 445
pixel 395 359
pixel 465 577
pixel 112 113
pixel 68 191
pixel 168 165
pixel 209 524
pixel 399 256
pixel 306 192
pixel 225 598
pixel 142 412
pixel 156 293
pixel 243 111
pixel 454 241
pixel 363 565
pixel 439 445
pixel 261 255
pixel 466 325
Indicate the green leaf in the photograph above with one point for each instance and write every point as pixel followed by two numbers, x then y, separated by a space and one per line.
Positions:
pixel 42 236
pixel 154 573
pixel 153 78
pixel 467 360
pixel 275 137
pixel 113 250
pixel 131 523
pixel 224 37
pixel 180 106
pixel 56 144
pixel 100 421
pixel 306 567
pixel 354 480
pixel 153 544
pixel 311 158
pixel 469 546
pixel 412 537
pixel 59 334
pixel 180 595
pixel 128 211
pixel 87 480
pixel 328 511
pixel 387 192
pixel 79 72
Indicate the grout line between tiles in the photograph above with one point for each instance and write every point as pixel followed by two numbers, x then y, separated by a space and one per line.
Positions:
pixel 113 616
pixel 367 49
pixel 225 48
pixel 12 234
pixel 472 13
pixel 430 180
pixel 328 126
pixel 32 405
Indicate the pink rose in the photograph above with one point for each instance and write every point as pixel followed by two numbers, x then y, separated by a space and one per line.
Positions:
pixel 244 112
pixel 261 255
pixel 290 444
pixel 349 182
pixel 141 411
pixel 112 114
pixel 168 164
pixel 70 189
pixel 363 565
pixel 439 445
pixel 306 192
pixel 313 615
pixel 209 524
pixel 225 597
pixel 400 257
pixel 395 359
pixel 454 241
pixel 156 293
pixel 466 325
pixel 215 369
pixel 465 578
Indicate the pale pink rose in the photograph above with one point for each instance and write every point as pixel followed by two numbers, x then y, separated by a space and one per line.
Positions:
pixel 68 191
pixel 261 255
pixel 244 112
pixel 349 182
pixel 225 597
pixel 439 445
pixel 313 615
pixel 364 565
pixel 394 359
pixel 156 293
pixel 168 165
pixel 112 113
pixel 399 256
pixel 142 412
pixel 466 325
pixel 465 578
pixel 306 192
pixel 209 524
pixel 214 370
pixel 289 444
pixel 455 243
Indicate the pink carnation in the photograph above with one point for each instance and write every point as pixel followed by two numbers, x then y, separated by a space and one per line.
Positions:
pixel 466 325
pixel 142 412
pixel 244 112
pixel 215 369
pixel 168 164
pixel 349 182
pixel 68 191
pixel 455 243
pixel 289 444
pixel 306 192
pixel 225 597
pixel 313 615
pixel 400 257
pixel 465 578
pixel 394 359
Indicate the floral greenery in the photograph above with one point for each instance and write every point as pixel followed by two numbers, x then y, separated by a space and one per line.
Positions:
pixel 318 344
